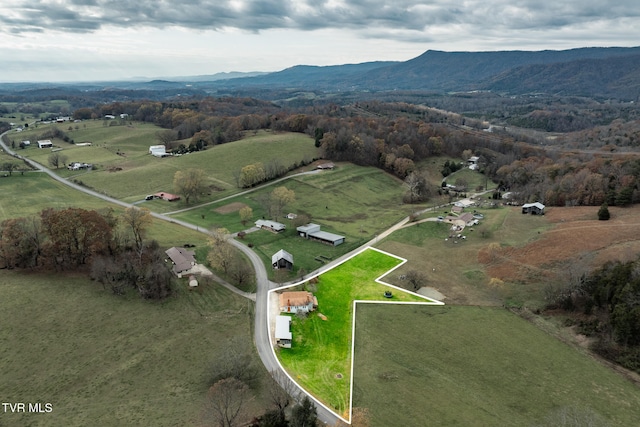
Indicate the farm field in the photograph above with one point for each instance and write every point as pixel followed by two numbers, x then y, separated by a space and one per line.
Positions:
pixel 126 171
pixel 449 365
pixel 28 194
pixel 353 201
pixel 106 360
pixel 320 358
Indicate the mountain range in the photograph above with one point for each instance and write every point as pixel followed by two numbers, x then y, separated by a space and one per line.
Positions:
pixel 591 72
pixel 599 72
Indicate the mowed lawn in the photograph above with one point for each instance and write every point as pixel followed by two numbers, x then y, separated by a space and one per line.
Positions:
pixel 106 360
pixel 474 366
pixel 320 357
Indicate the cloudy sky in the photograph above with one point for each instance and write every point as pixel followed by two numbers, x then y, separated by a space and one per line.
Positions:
pixel 80 40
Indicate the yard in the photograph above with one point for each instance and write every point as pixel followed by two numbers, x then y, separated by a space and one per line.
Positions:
pixel 320 358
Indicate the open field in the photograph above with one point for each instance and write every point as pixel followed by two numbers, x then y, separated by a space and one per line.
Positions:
pixel 125 169
pixel 447 365
pixel 320 357
pixel 105 360
pixel 31 193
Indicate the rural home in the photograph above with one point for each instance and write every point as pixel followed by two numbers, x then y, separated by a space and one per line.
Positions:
pixel 182 259
pixel 472 162
pixel 313 232
pixel 297 301
pixel 276 227
pixel 167 196
pixel 326 166
pixel 77 166
pixel 45 144
pixel 283 331
pixel 282 259
pixel 533 208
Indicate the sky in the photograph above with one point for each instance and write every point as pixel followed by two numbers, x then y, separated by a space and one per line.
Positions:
pixel 91 40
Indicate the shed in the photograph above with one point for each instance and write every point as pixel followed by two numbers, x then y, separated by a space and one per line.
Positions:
pixel 533 208
pixel 326 166
pixel 283 331
pixel 276 227
pixel 282 259
pixel 45 143
pixel 305 230
pixel 158 150
pixel 297 301
pixel 182 259
pixel 193 282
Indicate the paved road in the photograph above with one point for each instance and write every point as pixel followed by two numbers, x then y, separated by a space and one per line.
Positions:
pixel 261 336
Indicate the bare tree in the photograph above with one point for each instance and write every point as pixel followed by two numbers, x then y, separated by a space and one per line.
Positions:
pixel 57 159
pixel 226 400
pixel 416 279
pixel 221 252
pixel 138 220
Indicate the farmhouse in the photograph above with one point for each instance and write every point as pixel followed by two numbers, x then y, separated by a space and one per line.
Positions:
pixel 297 301
pixel 282 259
pixel 77 166
pixel 472 162
pixel 533 208
pixel 283 331
pixel 326 166
pixel 167 196
pixel 45 143
pixel 182 259
pixel 313 232
pixel 276 227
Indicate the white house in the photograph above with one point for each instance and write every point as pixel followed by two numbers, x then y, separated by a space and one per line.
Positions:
pixel 297 301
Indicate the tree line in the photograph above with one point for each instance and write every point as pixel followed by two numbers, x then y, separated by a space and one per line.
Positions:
pixel 605 305
pixel 111 249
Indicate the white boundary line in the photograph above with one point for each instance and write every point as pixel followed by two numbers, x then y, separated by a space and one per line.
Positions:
pixel 353 320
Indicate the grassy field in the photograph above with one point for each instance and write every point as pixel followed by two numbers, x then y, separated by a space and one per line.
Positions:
pixel 105 360
pixel 357 202
pixel 126 171
pixel 320 358
pixel 443 366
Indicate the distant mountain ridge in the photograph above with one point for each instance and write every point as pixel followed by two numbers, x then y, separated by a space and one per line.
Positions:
pixel 614 72
pixel 595 72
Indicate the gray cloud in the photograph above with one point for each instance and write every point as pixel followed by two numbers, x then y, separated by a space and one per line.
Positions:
pixel 404 19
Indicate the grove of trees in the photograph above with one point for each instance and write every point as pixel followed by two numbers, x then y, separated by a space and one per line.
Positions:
pixel 111 249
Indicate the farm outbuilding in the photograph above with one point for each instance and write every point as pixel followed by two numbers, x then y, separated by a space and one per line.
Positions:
pixel 282 259
pixel 45 143
pixel 533 208
pixel 297 301
pixel 182 260
pixel 283 331
pixel 313 232
pixel 158 150
pixel 276 227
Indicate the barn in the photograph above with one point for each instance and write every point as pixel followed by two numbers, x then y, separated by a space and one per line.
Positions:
pixel 282 259
pixel 533 208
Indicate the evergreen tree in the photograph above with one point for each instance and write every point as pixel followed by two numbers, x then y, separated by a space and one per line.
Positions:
pixel 603 212
pixel 304 414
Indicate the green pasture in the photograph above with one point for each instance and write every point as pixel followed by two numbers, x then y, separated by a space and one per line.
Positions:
pixel 109 360
pixel 448 365
pixel 320 358
pixel 125 170
pixel 29 194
